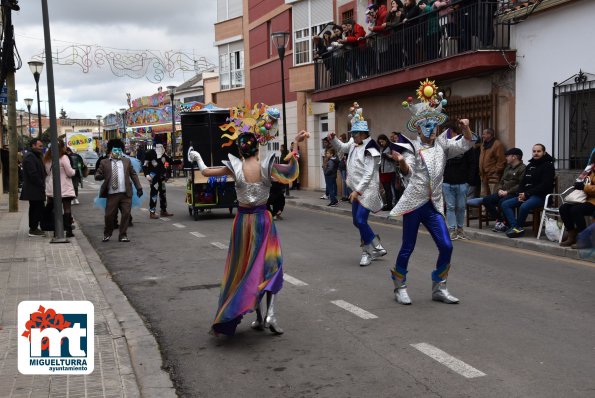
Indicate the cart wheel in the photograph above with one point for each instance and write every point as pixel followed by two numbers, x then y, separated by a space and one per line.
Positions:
pixel 231 210
pixel 196 214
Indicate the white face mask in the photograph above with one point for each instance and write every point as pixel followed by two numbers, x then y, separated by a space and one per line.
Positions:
pixel 159 150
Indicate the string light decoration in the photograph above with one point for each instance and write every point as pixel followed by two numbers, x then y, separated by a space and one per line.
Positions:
pixel 136 64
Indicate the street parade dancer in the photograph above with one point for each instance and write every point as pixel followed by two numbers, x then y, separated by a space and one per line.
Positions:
pixel 363 163
pixel 422 161
pixel 156 166
pixel 254 260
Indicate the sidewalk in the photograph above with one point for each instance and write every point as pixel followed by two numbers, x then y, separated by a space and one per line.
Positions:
pixel 127 360
pixel 311 199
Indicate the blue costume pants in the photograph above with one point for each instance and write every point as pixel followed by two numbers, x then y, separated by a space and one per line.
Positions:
pixel 436 226
pixel 360 220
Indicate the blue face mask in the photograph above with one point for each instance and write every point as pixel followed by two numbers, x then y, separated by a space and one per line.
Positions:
pixel 117 153
pixel 427 126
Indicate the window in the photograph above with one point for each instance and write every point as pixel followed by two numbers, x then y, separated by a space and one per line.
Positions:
pixel 228 9
pixel 347 15
pixel 310 18
pixel 231 66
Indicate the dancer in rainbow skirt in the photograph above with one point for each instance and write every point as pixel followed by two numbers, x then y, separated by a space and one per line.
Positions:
pixel 254 261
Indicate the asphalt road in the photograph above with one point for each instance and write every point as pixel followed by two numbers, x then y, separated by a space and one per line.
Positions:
pixel 524 328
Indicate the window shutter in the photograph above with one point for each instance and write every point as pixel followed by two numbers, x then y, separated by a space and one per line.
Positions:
pixel 322 11
pixel 299 13
pixel 235 8
pixel 221 10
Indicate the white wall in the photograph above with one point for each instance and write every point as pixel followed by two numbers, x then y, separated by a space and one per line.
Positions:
pixel 551 47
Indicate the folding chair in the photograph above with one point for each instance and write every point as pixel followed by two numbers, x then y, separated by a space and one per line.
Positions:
pixel 553 210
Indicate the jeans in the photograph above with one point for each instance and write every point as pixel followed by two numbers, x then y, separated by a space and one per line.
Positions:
pixel 331 187
pixel 534 202
pixel 434 223
pixel 346 190
pixel 360 220
pixel 493 204
pixel 455 196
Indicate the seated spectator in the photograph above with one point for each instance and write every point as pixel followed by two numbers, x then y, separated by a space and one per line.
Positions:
pixel 537 182
pixel 585 240
pixel 573 214
pixel 330 175
pixel 491 161
pixel 507 188
pixel 455 186
pixel 387 171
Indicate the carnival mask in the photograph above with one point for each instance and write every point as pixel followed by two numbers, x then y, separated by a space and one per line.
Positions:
pixel 159 150
pixel 117 153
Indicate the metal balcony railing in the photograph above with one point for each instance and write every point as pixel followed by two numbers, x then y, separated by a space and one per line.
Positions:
pixel 464 26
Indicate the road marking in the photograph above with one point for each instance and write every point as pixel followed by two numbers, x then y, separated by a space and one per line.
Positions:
pixel 164 218
pixel 177 225
pixel 143 209
pixel 219 245
pixel 293 281
pixel 197 234
pixel 354 309
pixel 449 361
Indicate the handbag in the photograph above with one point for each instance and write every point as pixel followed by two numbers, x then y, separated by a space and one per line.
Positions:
pixel 578 195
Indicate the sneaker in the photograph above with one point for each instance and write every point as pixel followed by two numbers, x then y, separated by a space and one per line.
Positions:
pixel 36 232
pixel 453 234
pixel 75 201
pixel 123 238
pixel 324 197
pixel 164 213
pixel 333 204
pixel 515 232
pixel 153 216
pixel 278 216
pixel 462 235
pixel 106 238
pixel 500 227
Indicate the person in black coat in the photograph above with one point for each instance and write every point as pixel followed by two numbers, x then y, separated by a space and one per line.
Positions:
pixel 536 184
pixel 34 185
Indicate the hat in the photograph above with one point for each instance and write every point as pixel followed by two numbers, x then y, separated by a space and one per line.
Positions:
pixel 358 124
pixel 514 151
pixel 361 126
pixel 427 114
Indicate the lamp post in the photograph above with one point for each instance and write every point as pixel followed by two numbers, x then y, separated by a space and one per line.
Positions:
pixel 280 41
pixel 36 68
pixel 29 102
pixel 123 113
pixel 172 92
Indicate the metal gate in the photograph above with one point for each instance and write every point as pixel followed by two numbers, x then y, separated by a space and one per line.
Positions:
pixel 573 121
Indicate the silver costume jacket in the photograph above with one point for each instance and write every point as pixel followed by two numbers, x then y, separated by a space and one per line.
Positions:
pixel 251 193
pixel 426 172
pixel 363 162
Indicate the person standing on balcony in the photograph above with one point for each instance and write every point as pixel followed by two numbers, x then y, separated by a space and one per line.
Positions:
pixel 410 12
pixel 393 58
pixel 422 162
pixel 354 42
pixel 432 39
pixel 492 161
pixel 362 177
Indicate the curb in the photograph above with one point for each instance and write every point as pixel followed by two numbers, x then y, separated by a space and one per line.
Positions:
pixel 499 239
pixel 145 357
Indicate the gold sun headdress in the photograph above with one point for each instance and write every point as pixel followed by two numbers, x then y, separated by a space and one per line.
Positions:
pixel 260 120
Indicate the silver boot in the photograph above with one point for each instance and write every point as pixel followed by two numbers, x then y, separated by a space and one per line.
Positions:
pixel 367 256
pixel 378 249
pixel 441 293
pixel 270 320
pixel 401 293
pixel 258 324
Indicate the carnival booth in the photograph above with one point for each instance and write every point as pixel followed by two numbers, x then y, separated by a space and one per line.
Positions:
pixel 201 132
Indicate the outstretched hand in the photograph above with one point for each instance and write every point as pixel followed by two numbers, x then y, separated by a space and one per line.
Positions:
pixel 331 135
pixel 302 135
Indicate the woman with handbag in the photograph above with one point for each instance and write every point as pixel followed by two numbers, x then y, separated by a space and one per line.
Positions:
pixel 578 204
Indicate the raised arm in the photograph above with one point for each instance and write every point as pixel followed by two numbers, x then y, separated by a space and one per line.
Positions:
pixel 339 146
pixel 454 147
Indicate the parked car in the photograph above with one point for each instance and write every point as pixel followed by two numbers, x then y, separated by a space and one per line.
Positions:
pixel 90 158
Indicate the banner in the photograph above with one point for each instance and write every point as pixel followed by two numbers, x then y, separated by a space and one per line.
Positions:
pixel 79 142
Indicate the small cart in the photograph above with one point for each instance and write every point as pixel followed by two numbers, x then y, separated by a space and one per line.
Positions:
pixel 200 130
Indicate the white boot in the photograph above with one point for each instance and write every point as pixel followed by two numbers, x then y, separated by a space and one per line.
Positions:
pixel 441 293
pixel 378 249
pixel 258 324
pixel 367 256
pixel 401 293
pixel 270 321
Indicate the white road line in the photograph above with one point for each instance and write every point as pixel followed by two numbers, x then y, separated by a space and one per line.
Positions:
pixel 177 225
pixel 448 360
pixel 197 234
pixel 164 218
pixel 219 245
pixel 293 281
pixel 354 309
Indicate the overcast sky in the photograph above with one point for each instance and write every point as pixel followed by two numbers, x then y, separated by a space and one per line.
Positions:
pixel 112 24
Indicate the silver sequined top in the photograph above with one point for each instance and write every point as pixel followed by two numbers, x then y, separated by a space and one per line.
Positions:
pixel 362 172
pixel 426 165
pixel 251 194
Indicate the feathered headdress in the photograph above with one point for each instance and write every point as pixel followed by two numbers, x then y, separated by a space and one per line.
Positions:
pixel 260 120
pixel 427 114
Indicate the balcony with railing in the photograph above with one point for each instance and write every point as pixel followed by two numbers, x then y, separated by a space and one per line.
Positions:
pixel 465 39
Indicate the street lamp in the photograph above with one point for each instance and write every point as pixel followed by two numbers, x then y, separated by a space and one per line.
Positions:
pixel 172 92
pixel 29 102
pixel 280 41
pixel 36 68
pixel 99 137
pixel 123 113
